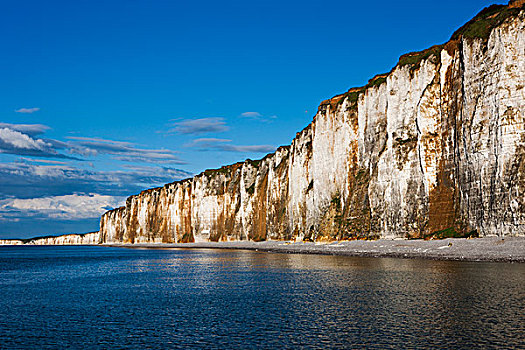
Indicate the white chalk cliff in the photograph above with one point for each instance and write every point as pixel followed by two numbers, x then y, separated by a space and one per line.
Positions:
pixel 435 147
pixel 68 239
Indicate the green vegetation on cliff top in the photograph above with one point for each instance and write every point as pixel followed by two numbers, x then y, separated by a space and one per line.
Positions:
pixel 479 27
pixel 415 58
pixel 489 18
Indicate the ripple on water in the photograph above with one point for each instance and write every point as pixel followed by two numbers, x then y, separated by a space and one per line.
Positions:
pixel 100 297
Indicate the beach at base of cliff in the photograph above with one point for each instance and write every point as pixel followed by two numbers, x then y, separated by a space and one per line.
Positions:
pixel 507 249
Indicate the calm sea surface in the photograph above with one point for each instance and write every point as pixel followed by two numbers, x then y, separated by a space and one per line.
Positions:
pixel 99 297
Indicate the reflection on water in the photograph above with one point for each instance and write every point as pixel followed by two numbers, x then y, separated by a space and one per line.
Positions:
pixel 56 297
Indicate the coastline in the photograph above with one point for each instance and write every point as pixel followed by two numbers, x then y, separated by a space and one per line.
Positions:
pixel 495 249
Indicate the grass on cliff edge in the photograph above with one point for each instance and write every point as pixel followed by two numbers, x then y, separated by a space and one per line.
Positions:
pixel 488 19
pixel 415 58
pixel 479 27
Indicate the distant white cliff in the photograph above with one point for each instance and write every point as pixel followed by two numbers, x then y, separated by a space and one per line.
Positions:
pixel 69 239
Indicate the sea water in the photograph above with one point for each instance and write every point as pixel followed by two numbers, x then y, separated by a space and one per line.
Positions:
pixel 102 297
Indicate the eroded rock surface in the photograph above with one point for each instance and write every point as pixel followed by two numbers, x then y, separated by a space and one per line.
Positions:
pixel 435 146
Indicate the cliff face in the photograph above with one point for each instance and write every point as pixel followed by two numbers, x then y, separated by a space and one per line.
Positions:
pixel 435 147
pixel 70 239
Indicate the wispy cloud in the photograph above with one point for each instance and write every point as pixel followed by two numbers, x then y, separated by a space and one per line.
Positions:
pixel 121 150
pixel 29 129
pixel 206 140
pixel 253 115
pixel 258 116
pixel 198 126
pixel 248 148
pixel 214 144
pixel 27 110
pixel 71 207
pixel 98 139
pixel 45 161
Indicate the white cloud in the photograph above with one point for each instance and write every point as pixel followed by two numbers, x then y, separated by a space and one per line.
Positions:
pixel 213 144
pixel 19 139
pixel 82 151
pixel 27 110
pixel 16 140
pixel 73 206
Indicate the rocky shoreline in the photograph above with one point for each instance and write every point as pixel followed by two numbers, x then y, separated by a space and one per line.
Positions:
pixel 497 249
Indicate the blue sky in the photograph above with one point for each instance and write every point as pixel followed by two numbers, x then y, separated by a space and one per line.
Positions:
pixel 100 99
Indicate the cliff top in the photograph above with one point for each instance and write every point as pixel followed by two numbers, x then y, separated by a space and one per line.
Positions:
pixel 478 27
pixel 490 17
